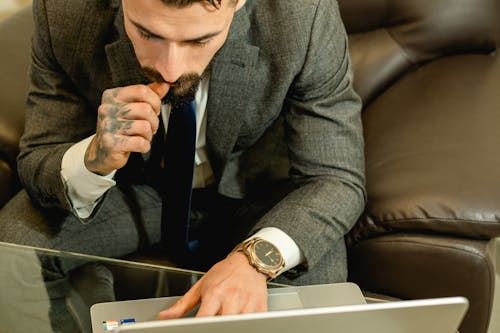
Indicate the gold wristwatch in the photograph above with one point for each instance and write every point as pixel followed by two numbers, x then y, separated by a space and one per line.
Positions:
pixel 263 256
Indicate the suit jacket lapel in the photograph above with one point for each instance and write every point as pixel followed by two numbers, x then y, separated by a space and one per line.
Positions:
pixel 229 91
pixel 124 66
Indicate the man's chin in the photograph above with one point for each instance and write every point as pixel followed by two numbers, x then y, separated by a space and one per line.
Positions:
pixel 176 99
pixel 184 89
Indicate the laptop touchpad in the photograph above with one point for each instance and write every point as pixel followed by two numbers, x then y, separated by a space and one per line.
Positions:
pixel 284 301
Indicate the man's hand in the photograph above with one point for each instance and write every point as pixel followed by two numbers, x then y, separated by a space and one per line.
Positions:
pixel 127 120
pixel 232 286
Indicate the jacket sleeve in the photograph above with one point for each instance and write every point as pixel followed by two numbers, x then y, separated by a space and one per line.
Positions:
pixel 325 143
pixel 56 117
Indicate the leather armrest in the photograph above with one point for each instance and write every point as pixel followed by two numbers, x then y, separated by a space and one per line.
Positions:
pixel 415 266
pixel 15 41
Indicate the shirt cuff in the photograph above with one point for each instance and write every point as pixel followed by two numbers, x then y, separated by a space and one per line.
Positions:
pixel 292 255
pixel 83 188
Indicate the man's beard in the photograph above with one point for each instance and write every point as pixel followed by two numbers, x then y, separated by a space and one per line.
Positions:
pixel 181 91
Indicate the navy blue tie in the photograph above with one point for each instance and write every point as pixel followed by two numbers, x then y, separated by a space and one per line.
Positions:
pixel 179 162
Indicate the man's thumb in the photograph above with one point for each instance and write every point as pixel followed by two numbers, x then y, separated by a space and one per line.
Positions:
pixel 160 88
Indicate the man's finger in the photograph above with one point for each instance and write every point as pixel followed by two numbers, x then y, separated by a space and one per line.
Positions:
pixel 141 111
pixel 254 306
pixel 209 308
pixel 183 305
pixel 137 94
pixel 231 306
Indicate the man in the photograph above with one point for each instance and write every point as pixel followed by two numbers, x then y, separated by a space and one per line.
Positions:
pixel 264 75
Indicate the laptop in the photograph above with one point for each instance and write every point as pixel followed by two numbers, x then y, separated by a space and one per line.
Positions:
pixel 323 308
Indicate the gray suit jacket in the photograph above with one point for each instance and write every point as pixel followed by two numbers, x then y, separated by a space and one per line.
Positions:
pixel 280 99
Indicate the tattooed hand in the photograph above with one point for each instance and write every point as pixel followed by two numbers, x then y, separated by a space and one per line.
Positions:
pixel 127 120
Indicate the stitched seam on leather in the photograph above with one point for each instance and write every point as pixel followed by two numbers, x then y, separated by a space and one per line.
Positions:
pixel 446 219
pixel 428 245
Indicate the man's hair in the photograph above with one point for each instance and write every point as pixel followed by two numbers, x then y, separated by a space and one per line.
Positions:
pixel 184 3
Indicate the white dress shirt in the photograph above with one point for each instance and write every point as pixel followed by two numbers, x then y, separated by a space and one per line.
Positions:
pixel 85 189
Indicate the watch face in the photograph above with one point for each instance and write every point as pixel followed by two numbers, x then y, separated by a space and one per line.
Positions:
pixel 267 253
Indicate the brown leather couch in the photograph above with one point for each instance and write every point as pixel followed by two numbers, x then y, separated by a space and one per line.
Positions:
pixel 429 76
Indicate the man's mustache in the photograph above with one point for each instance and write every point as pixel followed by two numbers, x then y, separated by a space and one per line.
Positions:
pixel 152 74
pixel 155 76
pixel 181 91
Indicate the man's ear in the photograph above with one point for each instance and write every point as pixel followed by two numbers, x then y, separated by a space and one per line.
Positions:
pixel 240 4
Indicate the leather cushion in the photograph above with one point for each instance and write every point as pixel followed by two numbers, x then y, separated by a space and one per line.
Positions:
pixel 432 151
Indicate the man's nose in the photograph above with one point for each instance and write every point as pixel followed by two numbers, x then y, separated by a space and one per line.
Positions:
pixel 171 63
